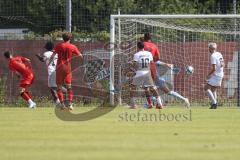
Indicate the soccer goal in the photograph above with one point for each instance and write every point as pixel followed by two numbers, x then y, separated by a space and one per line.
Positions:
pixel 182 41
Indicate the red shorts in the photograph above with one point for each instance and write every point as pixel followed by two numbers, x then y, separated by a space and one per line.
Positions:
pixel 63 76
pixel 27 81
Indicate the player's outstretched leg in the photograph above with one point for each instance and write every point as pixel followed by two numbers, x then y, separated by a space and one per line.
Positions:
pixel 161 84
pixel 177 95
pixel 27 97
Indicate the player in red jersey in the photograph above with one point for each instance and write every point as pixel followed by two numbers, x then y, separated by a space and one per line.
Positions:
pixel 160 82
pixel 65 51
pixel 21 66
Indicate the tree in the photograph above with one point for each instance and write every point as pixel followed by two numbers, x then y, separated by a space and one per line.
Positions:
pixel 43 16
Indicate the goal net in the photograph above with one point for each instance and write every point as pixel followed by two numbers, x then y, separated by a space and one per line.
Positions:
pixel 183 41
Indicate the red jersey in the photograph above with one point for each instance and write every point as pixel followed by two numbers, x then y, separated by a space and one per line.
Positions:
pixel 65 51
pixel 151 47
pixel 18 64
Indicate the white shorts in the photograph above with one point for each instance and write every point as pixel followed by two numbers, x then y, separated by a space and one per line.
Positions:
pixel 52 79
pixel 215 81
pixel 143 80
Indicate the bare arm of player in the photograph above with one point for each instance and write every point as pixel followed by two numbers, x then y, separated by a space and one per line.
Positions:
pixel 25 59
pixel 213 69
pixel 78 53
pixel 41 58
pixel 168 65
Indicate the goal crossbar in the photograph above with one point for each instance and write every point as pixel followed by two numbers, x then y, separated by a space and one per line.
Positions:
pixel 172 16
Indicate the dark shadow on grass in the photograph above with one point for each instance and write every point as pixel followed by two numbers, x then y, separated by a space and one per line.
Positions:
pixel 99 111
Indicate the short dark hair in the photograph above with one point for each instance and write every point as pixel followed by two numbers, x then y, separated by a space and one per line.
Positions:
pixel 141 39
pixel 140 45
pixel 147 36
pixel 66 36
pixel 7 54
pixel 49 46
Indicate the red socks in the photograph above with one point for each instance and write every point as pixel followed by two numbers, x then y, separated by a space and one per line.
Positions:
pixel 149 100
pixel 25 96
pixel 60 95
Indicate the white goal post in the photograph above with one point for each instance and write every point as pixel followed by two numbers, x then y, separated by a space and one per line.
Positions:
pixel 177 30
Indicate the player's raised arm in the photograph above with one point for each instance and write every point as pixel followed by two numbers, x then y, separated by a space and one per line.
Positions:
pixel 25 59
pixel 168 65
pixel 41 58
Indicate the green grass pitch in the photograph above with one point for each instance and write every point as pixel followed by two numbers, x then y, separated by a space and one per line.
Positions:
pixel 38 134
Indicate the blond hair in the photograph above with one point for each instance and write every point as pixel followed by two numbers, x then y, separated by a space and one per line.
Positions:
pixel 212 45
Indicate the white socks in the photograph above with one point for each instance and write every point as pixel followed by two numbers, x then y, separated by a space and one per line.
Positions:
pixel 215 95
pixel 211 96
pixel 133 101
pixel 159 101
pixel 30 101
pixel 177 95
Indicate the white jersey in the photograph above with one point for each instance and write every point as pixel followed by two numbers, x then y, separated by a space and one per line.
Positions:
pixel 52 66
pixel 143 58
pixel 217 59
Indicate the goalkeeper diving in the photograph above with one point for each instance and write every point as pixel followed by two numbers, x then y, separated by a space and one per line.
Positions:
pixel 159 81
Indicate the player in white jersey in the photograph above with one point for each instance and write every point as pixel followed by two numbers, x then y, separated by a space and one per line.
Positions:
pixel 51 69
pixel 215 76
pixel 142 61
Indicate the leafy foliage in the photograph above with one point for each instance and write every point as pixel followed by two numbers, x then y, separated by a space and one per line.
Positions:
pixel 47 16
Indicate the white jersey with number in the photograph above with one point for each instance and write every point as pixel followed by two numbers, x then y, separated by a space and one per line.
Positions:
pixel 52 66
pixel 143 59
pixel 217 59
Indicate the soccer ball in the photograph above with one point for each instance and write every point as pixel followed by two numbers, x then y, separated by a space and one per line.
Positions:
pixel 189 70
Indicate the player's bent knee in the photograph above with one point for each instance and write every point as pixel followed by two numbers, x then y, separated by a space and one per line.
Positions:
pixel 22 90
pixel 206 87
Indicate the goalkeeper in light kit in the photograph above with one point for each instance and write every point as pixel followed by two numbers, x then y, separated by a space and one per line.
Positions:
pixel 160 82
pixel 65 51
pixel 215 76
pixel 21 66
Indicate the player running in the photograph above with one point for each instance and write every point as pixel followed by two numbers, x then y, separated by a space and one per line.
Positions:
pixel 51 69
pixel 65 51
pixel 160 82
pixel 21 66
pixel 142 61
pixel 215 76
